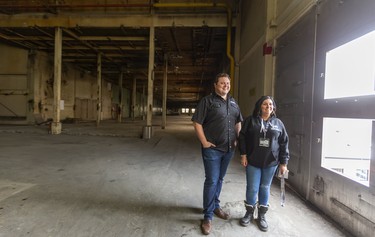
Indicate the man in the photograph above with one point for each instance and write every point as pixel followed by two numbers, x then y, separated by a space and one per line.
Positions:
pixel 217 122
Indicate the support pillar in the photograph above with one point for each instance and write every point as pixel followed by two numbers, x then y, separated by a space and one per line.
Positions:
pixel 143 102
pixel 147 131
pixel 56 124
pixel 99 92
pixel 33 95
pixel 165 87
pixel 119 111
pixel 134 97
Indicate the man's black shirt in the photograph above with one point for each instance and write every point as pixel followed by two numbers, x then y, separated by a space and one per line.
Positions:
pixel 218 118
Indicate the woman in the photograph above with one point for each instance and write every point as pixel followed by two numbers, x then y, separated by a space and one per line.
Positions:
pixel 263 147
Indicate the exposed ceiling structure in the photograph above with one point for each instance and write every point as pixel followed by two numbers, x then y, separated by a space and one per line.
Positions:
pixel 191 36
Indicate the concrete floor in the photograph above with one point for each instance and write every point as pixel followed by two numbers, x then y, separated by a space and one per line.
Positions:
pixel 106 182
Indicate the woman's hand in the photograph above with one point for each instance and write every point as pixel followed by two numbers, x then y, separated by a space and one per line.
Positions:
pixel 244 160
pixel 283 168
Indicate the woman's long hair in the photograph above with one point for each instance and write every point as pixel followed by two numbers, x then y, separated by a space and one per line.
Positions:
pixel 257 109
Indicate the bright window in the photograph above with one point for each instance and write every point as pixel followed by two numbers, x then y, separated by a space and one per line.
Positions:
pixel 346 147
pixel 350 69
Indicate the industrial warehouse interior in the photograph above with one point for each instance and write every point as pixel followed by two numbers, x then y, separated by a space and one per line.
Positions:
pixel 97 99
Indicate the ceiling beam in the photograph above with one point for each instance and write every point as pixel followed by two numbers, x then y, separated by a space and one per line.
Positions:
pixel 85 38
pixel 136 21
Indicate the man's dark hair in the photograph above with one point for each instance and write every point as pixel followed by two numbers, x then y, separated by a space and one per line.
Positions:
pixel 222 74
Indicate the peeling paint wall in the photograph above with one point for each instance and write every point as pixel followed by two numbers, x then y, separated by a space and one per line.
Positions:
pixel 262 22
pixel 26 87
pixel 251 60
pixel 13 83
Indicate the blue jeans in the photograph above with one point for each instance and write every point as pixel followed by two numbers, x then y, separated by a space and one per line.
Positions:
pixel 215 166
pixel 258 184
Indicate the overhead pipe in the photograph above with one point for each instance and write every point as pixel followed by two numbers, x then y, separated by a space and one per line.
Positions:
pixel 229 43
pixel 42 7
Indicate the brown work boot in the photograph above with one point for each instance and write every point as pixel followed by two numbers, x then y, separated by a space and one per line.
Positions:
pixel 221 214
pixel 206 226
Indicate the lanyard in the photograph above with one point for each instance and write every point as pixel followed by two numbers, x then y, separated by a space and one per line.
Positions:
pixel 264 128
pixel 282 194
pixel 282 187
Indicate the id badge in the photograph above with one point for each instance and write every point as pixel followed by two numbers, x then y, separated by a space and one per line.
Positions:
pixel 264 142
